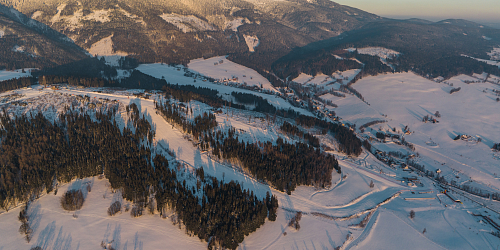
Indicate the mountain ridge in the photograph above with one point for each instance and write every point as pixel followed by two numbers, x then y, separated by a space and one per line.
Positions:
pixel 26 43
pixel 180 30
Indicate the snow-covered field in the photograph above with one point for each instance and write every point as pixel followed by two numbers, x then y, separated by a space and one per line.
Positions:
pixel 54 228
pixel 406 98
pixel 175 75
pixel 222 69
pixel 105 48
pixel 352 109
pixel 11 74
pixel 327 81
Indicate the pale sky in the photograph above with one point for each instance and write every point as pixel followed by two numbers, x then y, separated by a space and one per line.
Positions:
pixel 485 11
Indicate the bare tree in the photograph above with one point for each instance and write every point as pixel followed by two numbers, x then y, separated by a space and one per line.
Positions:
pixel 372 185
pixel 25 228
pixel 425 230
pixel 412 214
pixel 294 222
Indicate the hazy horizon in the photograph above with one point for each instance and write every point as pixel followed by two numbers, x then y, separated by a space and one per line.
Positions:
pixel 481 11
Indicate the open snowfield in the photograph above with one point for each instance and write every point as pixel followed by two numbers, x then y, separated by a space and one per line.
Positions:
pixel 235 23
pixel 325 81
pixel 54 228
pixel 352 109
pixel 74 21
pixel 407 98
pixel 11 74
pixel 213 67
pixel 105 48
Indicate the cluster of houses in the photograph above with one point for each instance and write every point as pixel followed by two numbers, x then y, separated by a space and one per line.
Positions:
pixel 468 138
pixel 412 181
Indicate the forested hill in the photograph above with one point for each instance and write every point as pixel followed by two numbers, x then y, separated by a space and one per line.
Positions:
pixel 426 48
pixel 177 31
pixel 26 43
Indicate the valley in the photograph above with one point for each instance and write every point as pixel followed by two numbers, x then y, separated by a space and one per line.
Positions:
pixel 245 124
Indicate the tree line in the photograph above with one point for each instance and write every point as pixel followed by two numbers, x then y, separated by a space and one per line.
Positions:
pixel 201 125
pixel 76 81
pixel 294 130
pixel 349 143
pixel 16 83
pixel 284 165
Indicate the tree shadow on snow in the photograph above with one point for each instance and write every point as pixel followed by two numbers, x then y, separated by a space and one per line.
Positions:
pixel 490 143
pixel 46 236
pixel 63 241
pixel 34 216
pixel 415 114
pixel 332 243
pixel 138 245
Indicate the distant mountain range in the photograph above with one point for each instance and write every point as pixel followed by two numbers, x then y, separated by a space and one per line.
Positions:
pixel 25 42
pixel 256 33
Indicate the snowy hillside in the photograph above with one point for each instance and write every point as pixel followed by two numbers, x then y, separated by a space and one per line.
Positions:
pixel 366 206
pixel 187 23
pixel 223 69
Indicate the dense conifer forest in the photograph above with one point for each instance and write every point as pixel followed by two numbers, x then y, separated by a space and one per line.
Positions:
pixel 348 142
pixel 294 130
pixel 76 81
pixel 16 83
pixel 427 49
pixel 284 165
